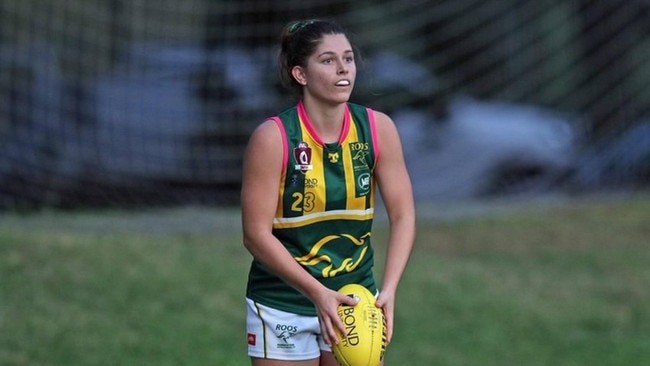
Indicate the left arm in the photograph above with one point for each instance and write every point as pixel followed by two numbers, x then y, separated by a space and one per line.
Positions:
pixel 396 192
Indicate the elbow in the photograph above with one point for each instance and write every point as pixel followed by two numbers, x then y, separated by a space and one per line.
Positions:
pixel 404 212
pixel 248 243
pixel 404 220
pixel 252 241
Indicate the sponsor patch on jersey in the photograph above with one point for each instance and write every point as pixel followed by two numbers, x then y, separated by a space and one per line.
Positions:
pixel 302 155
pixel 360 162
pixel 363 183
pixel 360 155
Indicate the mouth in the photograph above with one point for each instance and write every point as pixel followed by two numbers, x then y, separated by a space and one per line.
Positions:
pixel 343 82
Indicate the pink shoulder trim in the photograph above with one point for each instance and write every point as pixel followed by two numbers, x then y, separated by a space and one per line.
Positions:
pixel 373 131
pixel 285 144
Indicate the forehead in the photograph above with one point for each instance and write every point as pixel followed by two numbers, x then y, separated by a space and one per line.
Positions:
pixel 336 43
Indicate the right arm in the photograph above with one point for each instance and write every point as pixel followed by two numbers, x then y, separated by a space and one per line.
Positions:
pixel 259 200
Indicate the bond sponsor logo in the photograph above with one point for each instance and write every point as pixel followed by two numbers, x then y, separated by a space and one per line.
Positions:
pixel 311 182
pixel 351 336
pixel 302 155
pixel 294 181
pixel 285 333
pixel 252 339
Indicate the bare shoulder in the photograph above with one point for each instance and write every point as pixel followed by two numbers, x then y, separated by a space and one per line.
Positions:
pixel 382 118
pixel 266 137
pixel 264 149
pixel 385 126
pixel 266 130
pixel 262 165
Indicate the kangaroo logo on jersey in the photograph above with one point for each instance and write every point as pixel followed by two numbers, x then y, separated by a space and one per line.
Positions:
pixel 302 154
pixel 360 162
pixel 359 155
pixel 329 264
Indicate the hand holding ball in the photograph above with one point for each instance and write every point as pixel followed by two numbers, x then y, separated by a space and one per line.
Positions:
pixel 364 341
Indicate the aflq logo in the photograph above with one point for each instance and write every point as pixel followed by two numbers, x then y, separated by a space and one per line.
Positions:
pixel 302 154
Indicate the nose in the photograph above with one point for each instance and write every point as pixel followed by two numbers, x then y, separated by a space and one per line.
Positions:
pixel 343 68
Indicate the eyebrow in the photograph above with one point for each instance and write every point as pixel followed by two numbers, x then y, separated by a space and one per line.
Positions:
pixel 327 53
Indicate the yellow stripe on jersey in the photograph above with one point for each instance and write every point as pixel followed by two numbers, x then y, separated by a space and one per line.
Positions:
pixel 293 222
pixel 317 174
pixel 352 203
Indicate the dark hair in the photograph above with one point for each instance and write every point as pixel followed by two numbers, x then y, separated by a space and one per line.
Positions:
pixel 299 40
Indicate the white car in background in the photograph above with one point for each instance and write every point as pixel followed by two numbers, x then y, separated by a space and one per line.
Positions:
pixel 485 148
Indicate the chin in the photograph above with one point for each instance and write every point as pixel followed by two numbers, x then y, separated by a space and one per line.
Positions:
pixel 334 98
pixel 340 100
pixel 343 98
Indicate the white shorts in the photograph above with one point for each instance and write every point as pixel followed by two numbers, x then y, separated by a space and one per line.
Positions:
pixel 279 335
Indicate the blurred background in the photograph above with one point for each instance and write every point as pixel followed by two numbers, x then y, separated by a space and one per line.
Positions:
pixel 115 103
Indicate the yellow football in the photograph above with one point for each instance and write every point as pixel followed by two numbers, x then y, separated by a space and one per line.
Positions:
pixel 364 341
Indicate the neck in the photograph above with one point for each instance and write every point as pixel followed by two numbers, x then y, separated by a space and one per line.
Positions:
pixel 327 120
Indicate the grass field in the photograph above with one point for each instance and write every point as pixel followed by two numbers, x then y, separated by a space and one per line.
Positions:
pixel 561 284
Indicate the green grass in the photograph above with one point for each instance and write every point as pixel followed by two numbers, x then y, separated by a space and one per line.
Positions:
pixel 528 285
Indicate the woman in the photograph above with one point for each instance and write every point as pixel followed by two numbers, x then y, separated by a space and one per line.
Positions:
pixel 308 193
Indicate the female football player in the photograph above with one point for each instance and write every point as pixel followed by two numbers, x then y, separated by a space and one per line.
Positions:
pixel 308 199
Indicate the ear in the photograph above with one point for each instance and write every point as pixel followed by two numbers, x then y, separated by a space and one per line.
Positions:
pixel 299 75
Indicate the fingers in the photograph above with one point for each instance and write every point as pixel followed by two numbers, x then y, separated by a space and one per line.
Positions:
pixel 327 330
pixel 336 320
pixel 347 300
pixel 329 317
pixel 387 305
pixel 388 315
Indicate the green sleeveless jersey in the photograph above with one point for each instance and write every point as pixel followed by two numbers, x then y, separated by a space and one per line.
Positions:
pixel 325 208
